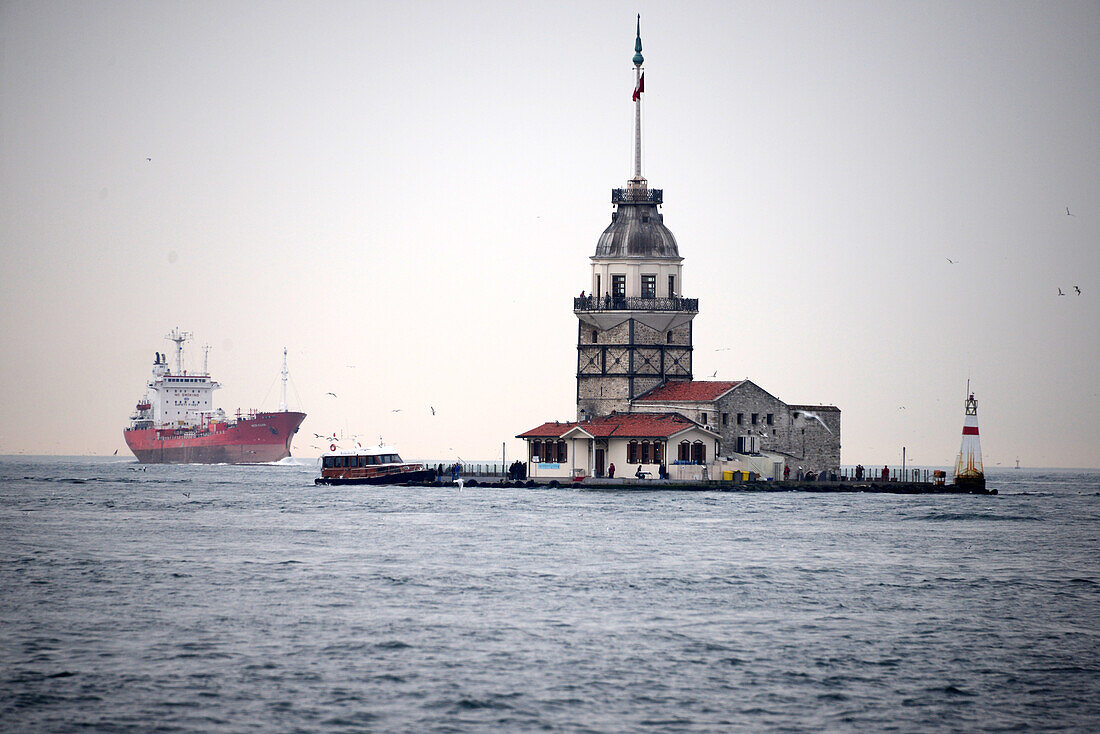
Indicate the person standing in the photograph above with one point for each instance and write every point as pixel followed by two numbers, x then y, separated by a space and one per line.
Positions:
pixel 885 473
pixel 786 472
pixel 611 471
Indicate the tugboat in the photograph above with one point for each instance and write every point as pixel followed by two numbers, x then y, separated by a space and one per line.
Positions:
pixel 374 465
pixel 968 467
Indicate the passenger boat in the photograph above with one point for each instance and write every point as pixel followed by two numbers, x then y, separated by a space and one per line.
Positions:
pixel 374 465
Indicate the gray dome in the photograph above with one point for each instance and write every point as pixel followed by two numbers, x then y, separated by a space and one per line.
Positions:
pixel 637 230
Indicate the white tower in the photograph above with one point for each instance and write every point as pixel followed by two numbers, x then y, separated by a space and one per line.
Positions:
pixel 282 403
pixel 968 466
pixel 634 330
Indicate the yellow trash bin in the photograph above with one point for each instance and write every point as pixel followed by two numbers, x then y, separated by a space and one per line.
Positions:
pixel 744 476
pixel 727 476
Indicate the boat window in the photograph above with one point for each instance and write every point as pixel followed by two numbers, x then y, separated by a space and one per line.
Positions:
pixel 328 462
pixel 372 459
pixel 361 461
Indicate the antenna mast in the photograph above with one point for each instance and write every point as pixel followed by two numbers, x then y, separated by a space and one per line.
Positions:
pixel 179 337
pixel 282 405
pixel 205 359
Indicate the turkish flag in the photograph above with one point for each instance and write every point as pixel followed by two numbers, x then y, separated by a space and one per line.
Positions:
pixel 640 88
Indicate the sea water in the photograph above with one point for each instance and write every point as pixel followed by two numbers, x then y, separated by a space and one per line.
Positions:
pixel 229 598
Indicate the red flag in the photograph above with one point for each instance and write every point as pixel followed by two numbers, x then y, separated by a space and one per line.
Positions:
pixel 639 88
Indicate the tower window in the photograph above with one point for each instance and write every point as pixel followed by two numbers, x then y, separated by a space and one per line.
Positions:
pixel 669 337
pixel 671 286
pixel 703 418
pixel 618 286
pixel 597 291
pixel 649 286
pixel 645 217
pixel 755 417
pixel 594 334
pixel 725 419
pixel 771 417
pixel 740 419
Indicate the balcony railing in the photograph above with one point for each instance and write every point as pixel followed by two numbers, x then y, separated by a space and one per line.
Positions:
pixel 634 303
pixel 637 196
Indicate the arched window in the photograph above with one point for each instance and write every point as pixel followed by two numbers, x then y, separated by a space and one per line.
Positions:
pixel 632 452
pixel 684 452
pixel 698 453
pixel 536 447
pixel 645 453
pixel 560 456
pixel 658 454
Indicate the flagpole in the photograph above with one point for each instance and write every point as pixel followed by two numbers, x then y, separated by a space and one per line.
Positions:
pixel 638 59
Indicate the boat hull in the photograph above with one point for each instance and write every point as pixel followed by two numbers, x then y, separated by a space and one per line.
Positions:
pixel 266 437
pixel 419 475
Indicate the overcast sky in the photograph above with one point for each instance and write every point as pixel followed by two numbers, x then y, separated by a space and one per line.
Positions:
pixel 406 195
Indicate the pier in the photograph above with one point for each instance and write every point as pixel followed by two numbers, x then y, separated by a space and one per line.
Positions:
pixel 661 485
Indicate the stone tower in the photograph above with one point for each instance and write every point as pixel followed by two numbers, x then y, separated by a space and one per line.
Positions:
pixel 634 330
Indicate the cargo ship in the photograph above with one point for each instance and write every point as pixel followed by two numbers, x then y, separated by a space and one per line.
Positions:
pixel 175 422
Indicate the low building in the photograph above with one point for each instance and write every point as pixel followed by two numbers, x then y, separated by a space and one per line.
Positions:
pixel 646 443
pixel 752 421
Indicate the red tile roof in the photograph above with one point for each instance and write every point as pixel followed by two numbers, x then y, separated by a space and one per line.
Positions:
pixel 620 425
pixel 688 391
pixel 553 429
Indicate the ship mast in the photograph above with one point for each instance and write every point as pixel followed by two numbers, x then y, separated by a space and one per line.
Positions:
pixel 205 359
pixel 179 337
pixel 282 404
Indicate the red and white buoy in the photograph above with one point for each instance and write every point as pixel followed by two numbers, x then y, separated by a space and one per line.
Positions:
pixel 968 467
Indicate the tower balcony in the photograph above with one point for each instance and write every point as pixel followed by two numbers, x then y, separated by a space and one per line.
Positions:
pixel 638 195
pixel 590 304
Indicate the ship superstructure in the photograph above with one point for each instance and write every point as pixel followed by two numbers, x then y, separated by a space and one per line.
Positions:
pixel 175 422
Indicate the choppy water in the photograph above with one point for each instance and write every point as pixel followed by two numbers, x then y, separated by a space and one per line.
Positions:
pixel 248 599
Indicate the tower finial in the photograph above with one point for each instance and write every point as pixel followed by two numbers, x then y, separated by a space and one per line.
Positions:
pixel 638 59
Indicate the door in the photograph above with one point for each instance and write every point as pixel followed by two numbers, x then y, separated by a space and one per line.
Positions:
pixel 599 462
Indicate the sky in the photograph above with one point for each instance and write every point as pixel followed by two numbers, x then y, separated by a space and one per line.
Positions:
pixel 870 197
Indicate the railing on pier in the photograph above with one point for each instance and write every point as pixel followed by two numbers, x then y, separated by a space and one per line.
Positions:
pixel 634 303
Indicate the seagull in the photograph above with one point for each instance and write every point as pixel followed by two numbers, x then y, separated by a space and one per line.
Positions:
pixel 901 407
pixel 396 410
pixel 186 494
pixel 1068 214
pixel 149 159
pixel 431 409
pixel 116 450
pixel 1060 292
pixel 318 435
pixel 953 262
pixel 1074 288
pixel 714 374
pixel 331 393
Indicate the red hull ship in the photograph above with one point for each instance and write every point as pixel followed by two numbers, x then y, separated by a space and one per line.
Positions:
pixel 174 423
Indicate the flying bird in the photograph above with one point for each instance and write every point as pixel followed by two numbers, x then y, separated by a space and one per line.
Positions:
pixel 953 262
pixel 116 450
pixel 186 494
pixel 1060 292
pixel 396 410
pixel 714 374
pixel 331 393
pixel 1074 288
pixel 1068 213
pixel 148 159
pixel 431 409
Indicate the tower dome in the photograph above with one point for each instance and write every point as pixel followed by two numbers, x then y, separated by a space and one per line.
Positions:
pixel 637 229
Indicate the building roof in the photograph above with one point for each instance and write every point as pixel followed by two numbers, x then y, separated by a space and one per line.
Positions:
pixel 693 391
pixel 637 230
pixel 552 429
pixel 620 425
